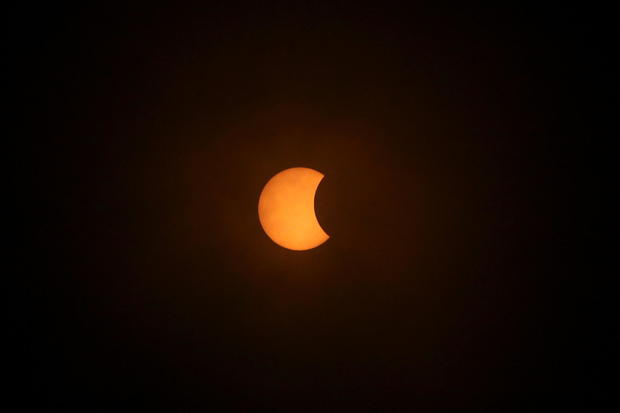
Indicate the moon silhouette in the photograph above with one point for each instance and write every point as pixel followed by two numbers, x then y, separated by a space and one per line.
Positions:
pixel 286 209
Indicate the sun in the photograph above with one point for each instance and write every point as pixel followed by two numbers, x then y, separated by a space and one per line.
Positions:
pixel 286 209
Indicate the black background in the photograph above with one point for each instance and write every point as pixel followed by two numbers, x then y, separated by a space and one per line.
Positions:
pixel 459 195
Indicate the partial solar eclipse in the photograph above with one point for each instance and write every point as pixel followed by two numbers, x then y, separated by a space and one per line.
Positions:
pixel 286 209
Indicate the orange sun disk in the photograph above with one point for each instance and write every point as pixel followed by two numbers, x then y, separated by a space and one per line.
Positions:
pixel 286 209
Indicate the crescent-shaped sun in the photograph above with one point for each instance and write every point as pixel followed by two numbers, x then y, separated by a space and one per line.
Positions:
pixel 286 209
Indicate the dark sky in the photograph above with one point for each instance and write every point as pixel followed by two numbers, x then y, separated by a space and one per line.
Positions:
pixel 457 146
